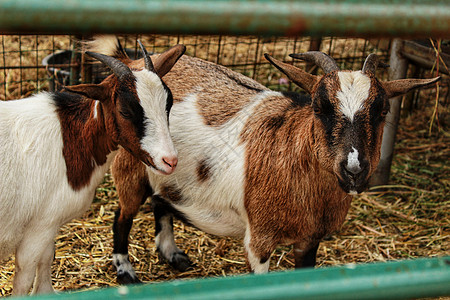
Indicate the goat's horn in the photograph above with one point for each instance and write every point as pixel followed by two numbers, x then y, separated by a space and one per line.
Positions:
pixel 371 64
pixel 119 68
pixel 319 58
pixel 148 61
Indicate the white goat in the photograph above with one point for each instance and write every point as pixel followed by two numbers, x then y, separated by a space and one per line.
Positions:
pixel 56 147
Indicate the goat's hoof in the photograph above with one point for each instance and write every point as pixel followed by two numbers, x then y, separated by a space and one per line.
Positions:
pixel 127 278
pixel 180 261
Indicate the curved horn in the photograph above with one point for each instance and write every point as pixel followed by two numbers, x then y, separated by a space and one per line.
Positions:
pixel 119 68
pixel 371 64
pixel 319 58
pixel 148 61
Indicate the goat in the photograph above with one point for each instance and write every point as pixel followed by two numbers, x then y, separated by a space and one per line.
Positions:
pixel 56 148
pixel 266 166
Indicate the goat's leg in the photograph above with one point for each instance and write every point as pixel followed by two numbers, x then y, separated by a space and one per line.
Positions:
pixel 258 249
pixel 131 181
pixel 43 281
pixel 121 230
pixel 164 239
pixel 305 256
pixel 33 250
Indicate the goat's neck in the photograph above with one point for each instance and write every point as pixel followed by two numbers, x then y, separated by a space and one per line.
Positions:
pixel 86 133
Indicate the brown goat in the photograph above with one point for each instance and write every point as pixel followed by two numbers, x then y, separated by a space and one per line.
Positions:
pixel 266 166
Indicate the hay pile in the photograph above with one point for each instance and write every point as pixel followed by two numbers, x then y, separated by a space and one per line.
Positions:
pixel 410 219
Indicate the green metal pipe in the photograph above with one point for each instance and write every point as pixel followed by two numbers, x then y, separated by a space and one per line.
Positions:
pixel 386 18
pixel 390 280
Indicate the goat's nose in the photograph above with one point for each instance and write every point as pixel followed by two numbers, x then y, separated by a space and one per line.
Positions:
pixel 354 169
pixel 171 161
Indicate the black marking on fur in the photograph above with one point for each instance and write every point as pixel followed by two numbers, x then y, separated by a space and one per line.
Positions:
pixel 169 100
pixel 263 260
pixel 178 260
pixel 68 90
pixel 162 207
pixel 148 191
pixel 325 111
pixel 70 104
pixel 121 234
pixel 298 99
pixel 309 260
pixel 130 108
pixel 379 105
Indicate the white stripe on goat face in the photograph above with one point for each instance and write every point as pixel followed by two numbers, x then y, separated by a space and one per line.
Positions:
pixel 153 97
pixel 354 91
pixel 96 109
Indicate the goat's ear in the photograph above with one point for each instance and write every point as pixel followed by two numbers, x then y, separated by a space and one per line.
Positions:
pixel 399 87
pixel 93 91
pixel 165 61
pixel 303 79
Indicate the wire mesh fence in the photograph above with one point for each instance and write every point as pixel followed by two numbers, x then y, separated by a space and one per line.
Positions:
pixel 22 69
pixel 31 63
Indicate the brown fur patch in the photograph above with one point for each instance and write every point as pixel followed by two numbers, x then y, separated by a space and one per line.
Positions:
pixel 131 181
pixel 172 193
pixel 203 171
pixel 85 139
pixel 282 172
pixel 225 93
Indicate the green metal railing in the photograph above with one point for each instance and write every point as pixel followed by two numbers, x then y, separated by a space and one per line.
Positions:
pixel 385 18
pixel 390 280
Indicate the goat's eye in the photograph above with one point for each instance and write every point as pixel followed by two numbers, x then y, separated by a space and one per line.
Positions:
pixel 317 110
pixel 384 112
pixel 126 115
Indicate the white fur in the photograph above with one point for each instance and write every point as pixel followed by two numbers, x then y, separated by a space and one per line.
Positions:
pixel 157 141
pixel 123 265
pixel 354 91
pixel 215 206
pixel 96 108
pixel 353 161
pixel 253 260
pixel 105 44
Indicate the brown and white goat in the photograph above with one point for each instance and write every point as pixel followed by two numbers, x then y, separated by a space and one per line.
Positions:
pixel 267 166
pixel 56 147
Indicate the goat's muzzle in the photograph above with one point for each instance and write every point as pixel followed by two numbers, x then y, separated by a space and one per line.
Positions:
pixel 166 166
pixel 352 179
